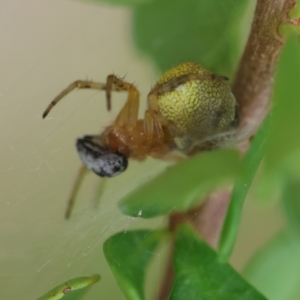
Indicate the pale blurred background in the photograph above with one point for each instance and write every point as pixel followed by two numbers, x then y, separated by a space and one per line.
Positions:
pixel 44 46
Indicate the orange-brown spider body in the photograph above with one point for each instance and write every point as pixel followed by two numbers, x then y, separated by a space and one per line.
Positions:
pixel 188 110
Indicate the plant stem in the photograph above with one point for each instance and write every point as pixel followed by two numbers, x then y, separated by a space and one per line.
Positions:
pixel 254 78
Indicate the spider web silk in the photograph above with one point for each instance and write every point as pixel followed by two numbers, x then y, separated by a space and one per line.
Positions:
pixel 45 46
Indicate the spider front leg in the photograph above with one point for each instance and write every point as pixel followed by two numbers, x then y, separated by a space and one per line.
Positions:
pixel 77 184
pixel 81 84
pixel 129 113
pixel 153 126
pixel 78 84
pixel 154 120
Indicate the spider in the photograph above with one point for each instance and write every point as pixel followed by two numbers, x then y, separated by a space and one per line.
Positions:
pixel 189 109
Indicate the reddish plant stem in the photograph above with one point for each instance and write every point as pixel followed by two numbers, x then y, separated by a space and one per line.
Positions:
pixel 164 292
pixel 254 78
pixel 253 90
pixel 209 217
pixel 207 220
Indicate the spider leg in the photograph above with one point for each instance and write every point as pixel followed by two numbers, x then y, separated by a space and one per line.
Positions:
pixel 129 113
pixel 154 121
pixel 158 139
pixel 79 179
pixel 78 84
pixel 153 125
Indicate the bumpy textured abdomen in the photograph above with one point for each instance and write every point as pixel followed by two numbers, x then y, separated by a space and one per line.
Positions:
pixel 202 109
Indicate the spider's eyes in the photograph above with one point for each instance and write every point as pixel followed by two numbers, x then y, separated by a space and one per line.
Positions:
pixel 103 162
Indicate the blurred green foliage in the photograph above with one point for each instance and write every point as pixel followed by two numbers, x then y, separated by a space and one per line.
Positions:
pixel 291 204
pixel 275 269
pixel 170 32
pixel 175 31
pixel 284 136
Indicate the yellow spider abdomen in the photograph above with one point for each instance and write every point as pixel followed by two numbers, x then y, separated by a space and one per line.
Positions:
pixel 200 105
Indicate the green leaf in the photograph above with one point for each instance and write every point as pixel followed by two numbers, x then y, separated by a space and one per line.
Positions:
pixel 284 137
pixel 73 289
pixel 275 269
pixel 207 32
pixel 182 185
pixel 199 275
pixel 128 254
pixel 240 191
